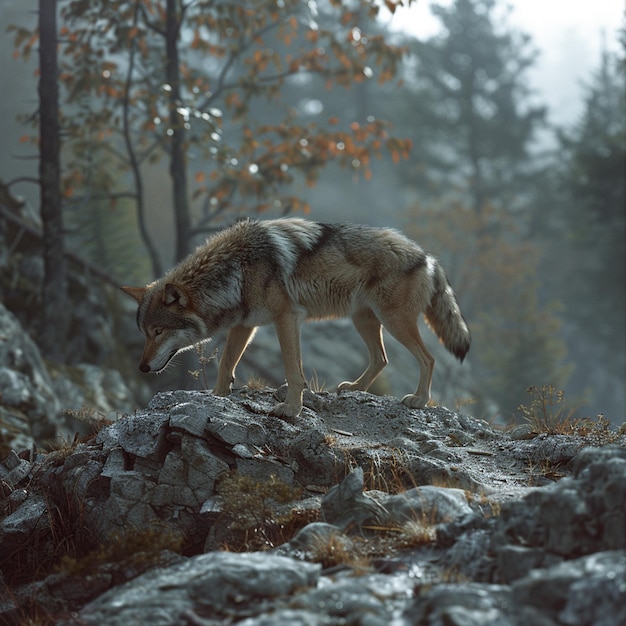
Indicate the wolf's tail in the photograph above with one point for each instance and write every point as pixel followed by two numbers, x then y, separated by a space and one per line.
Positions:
pixel 444 317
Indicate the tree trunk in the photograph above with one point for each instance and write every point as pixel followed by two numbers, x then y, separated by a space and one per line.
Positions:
pixel 55 320
pixel 135 166
pixel 178 165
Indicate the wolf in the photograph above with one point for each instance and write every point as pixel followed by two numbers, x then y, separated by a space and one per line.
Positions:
pixel 288 270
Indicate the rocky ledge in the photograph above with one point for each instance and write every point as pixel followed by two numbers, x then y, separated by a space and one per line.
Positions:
pixel 205 510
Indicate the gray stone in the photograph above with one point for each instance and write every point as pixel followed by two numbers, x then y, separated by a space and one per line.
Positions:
pixel 86 386
pixel 589 590
pixel 433 505
pixel 189 417
pixel 191 472
pixel 13 470
pixel 468 604
pixel 308 541
pixel 230 428
pixel 214 584
pixel 204 468
pixel 263 469
pixel 141 434
pixel 346 505
pixel 578 515
pixel 515 562
pixel 242 451
pixel 290 617
pixel 115 463
pixel 30 515
pixel 350 600
pixel 132 487
pixel 598 596
pixel 521 432
pixel 79 479
pixel 153 469
pixel 25 384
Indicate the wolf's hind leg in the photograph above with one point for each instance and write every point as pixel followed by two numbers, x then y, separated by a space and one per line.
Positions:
pixel 237 341
pixel 371 331
pixel 288 330
pixel 404 329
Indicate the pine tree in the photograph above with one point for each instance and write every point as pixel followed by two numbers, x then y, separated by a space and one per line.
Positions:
pixel 472 171
pixel 476 121
pixel 589 224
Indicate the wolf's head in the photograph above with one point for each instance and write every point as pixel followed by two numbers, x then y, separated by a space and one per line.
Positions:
pixel 167 319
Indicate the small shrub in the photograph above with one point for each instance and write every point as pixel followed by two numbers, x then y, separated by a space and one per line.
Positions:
pixel 549 413
pixel 135 549
pixel 252 506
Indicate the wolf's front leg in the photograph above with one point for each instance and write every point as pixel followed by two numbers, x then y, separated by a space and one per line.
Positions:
pixel 288 331
pixel 237 341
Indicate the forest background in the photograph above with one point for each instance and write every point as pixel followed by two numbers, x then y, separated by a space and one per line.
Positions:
pixel 177 117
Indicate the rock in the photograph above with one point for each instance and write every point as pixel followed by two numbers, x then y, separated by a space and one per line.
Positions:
pixel 84 387
pixel 13 469
pixel 346 505
pixel 40 401
pixel 514 562
pixel 428 504
pixel 26 388
pixel 347 601
pixel 590 590
pixel 578 515
pixel 24 525
pixel 189 417
pixel 30 515
pixel 468 604
pixel 489 551
pixel 213 586
pixel 142 435
pixel 309 541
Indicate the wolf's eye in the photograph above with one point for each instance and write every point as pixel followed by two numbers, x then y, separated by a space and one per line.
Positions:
pixel 158 331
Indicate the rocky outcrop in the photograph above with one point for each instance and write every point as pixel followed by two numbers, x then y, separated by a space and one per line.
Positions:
pixel 361 511
pixel 39 401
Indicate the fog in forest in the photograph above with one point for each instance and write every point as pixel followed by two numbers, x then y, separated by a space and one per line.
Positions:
pixel 467 134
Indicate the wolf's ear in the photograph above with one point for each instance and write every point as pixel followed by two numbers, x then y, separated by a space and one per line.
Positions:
pixel 174 293
pixel 135 292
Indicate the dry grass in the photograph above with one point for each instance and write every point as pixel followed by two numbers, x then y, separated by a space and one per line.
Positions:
pixel 547 411
pixel 417 533
pixel 315 385
pixel 203 361
pixel 134 549
pixel 254 512
pixel 336 550
pixel 256 383
pixel 61 532
pixel 550 413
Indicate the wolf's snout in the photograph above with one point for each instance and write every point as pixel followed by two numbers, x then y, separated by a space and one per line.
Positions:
pixel 144 367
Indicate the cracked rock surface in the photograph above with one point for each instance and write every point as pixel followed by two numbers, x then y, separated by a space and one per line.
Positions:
pixel 361 511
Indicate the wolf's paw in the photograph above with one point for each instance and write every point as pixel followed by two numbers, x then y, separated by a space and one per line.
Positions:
pixel 414 402
pixel 286 411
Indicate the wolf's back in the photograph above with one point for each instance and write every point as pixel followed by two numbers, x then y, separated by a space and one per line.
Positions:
pixel 444 317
